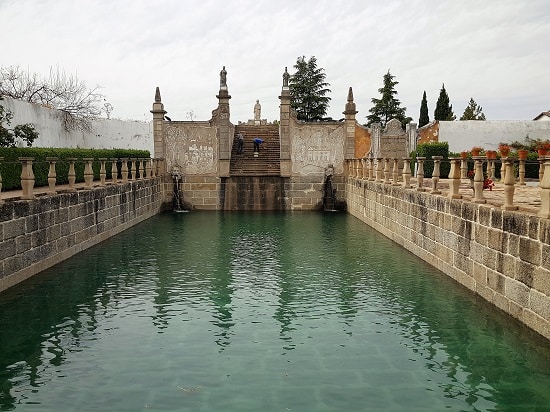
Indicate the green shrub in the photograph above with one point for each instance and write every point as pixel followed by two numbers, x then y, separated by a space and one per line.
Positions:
pixel 428 150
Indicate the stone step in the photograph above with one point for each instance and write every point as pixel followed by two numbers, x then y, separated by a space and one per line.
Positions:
pixel 268 161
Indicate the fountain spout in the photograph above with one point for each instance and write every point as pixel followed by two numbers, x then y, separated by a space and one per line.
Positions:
pixel 329 196
pixel 177 197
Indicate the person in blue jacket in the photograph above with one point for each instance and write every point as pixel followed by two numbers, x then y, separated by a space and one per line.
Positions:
pixel 257 143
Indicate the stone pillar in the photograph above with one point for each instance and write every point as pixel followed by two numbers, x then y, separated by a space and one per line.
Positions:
pixel 148 168
pixel 435 175
pixel 153 167
pixel 406 172
pixel 131 173
pixel 349 126
pixel 284 128
pixel 509 187
pixel 158 126
pixel 464 169
pixel 124 170
pixel 371 169
pixel 138 169
pixel 88 173
pixel 395 175
pixel 114 170
pixel 52 175
pixel 71 177
pixel 454 178
pixel 491 168
pixel 541 168
pixel 379 170
pixel 225 129
pixel 420 174
pixel 365 170
pixel 522 172
pixel 544 210
pixel 27 178
pixel 102 171
pixel 386 170
pixel 478 180
pixel 503 168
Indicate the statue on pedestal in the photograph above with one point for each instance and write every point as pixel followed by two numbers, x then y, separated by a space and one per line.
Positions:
pixel 257 110
pixel 223 78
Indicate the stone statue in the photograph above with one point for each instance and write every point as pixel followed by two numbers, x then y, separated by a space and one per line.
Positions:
pixel 257 110
pixel 223 78
pixel 286 76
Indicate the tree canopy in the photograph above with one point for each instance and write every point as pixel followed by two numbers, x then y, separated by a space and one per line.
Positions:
pixel 473 111
pixel 388 106
pixel 308 90
pixel 443 108
pixel 78 104
pixel 424 118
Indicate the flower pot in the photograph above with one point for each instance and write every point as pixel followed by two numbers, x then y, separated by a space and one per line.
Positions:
pixel 476 152
pixel 522 154
pixel 491 154
pixel 464 155
pixel 541 152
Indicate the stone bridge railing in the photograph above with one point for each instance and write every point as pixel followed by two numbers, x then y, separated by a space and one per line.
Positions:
pixel 127 169
pixel 388 171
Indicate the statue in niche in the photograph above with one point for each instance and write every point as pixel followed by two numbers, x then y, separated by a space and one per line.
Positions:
pixel 223 78
pixel 257 110
pixel 286 76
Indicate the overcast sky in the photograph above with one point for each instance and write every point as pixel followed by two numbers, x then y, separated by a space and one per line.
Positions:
pixel 495 51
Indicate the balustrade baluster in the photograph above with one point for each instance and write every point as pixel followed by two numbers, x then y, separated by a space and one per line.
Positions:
pixel 509 185
pixel 27 178
pixel 435 175
pixel 52 175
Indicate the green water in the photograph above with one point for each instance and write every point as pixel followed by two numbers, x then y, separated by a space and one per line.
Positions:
pixel 260 312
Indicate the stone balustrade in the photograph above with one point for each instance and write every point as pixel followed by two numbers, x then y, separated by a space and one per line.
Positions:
pixel 385 170
pixel 129 170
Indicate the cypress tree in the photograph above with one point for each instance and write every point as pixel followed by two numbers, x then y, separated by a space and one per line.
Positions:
pixel 443 109
pixel 424 116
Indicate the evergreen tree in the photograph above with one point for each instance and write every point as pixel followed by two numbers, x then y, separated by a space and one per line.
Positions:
pixel 443 109
pixel 424 116
pixel 473 111
pixel 308 89
pixel 388 106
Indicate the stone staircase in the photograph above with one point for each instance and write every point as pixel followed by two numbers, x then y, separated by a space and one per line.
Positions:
pixel 268 161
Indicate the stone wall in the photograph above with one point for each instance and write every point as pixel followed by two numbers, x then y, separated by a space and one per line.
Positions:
pixel 39 233
pixel 465 134
pixel 502 256
pixel 105 133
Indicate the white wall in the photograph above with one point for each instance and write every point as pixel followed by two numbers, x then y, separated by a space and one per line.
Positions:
pixel 105 134
pixel 465 134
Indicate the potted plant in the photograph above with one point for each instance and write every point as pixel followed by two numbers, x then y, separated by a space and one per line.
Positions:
pixel 476 150
pixel 522 154
pixel 504 149
pixel 464 155
pixel 543 148
pixel 491 154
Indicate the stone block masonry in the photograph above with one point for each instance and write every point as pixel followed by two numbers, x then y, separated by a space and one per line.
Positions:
pixel 39 233
pixel 503 256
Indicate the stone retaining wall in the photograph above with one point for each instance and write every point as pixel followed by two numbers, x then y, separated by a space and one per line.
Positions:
pixel 503 256
pixel 40 233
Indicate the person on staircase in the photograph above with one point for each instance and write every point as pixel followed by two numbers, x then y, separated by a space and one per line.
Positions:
pixel 257 143
pixel 240 143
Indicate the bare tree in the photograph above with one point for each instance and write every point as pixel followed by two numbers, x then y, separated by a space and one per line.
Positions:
pixel 78 104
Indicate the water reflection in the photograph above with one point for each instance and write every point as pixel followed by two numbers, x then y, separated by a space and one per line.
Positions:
pixel 274 283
